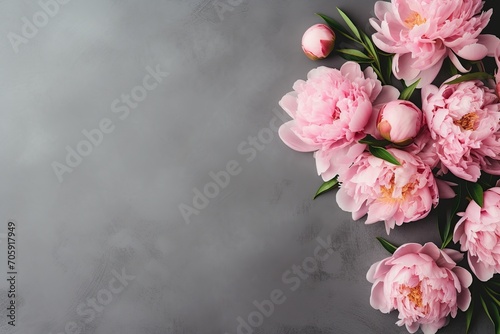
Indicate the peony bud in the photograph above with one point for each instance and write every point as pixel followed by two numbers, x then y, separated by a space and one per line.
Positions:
pixel 399 121
pixel 318 41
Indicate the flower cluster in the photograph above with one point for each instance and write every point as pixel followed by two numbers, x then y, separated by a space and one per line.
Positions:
pixel 395 155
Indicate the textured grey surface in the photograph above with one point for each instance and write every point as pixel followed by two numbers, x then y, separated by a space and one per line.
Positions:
pixel 118 210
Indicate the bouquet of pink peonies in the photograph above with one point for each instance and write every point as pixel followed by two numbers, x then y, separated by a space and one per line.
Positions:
pixel 396 155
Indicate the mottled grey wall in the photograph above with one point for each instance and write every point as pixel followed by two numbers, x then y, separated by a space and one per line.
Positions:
pixel 103 248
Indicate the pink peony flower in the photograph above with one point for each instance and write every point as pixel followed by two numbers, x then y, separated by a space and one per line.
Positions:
pixel 479 234
pixel 387 192
pixel 318 41
pixel 399 121
pixel 330 112
pixel 464 123
pixel 422 33
pixel 423 283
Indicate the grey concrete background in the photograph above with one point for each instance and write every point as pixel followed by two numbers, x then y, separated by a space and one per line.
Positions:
pixel 117 212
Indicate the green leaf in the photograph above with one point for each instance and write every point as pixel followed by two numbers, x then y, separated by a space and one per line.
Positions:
pixel 408 91
pixel 456 202
pixel 447 218
pixel 485 308
pixel 468 317
pixel 370 140
pixel 494 315
pixel 475 191
pixel 379 75
pixel 327 186
pixel 336 26
pixel 355 53
pixel 452 68
pixel 369 46
pixel 447 240
pixel 444 225
pixel 387 245
pixel 385 54
pixel 470 76
pixel 486 181
pixel 491 309
pixel 493 294
pixel 350 24
pixel 356 59
pixel 382 153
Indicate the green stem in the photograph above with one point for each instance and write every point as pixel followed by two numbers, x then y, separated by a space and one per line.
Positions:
pixel 379 74
pixel 480 66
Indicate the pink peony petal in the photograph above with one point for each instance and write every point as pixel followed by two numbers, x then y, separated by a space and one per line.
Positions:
pixel 432 328
pixel 432 250
pixel 361 116
pixel 464 276
pixel 322 162
pixel 378 299
pixel 413 328
pixel 445 190
pixel 464 299
pixel 402 67
pixel 351 70
pixel 370 275
pixel 381 8
pixel 491 42
pixel 454 59
pixel 289 103
pixel 473 52
pixel 454 255
pixel 407 249
pixel 427 76
pixel 458 232
pixel 360 213
pixel 345 202
pixel 292 140
pixel 388 93
pixel 482 272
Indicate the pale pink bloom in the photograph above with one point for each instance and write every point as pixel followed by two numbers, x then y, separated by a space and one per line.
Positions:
pixel 463 120
pixel 318 41
pixel 478 232
pixel 423 283
pixel 399 121
pixel 423 146
pixel 330 111
pixel 422 33
pixel 387 192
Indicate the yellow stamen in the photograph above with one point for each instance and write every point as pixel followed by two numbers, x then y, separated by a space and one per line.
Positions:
pixel 414 20
pixel 387 192
pixel 468 121
pixel 413 294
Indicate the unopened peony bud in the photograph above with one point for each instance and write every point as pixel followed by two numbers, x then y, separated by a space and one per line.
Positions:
pixel 399 121
pixel 318 41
